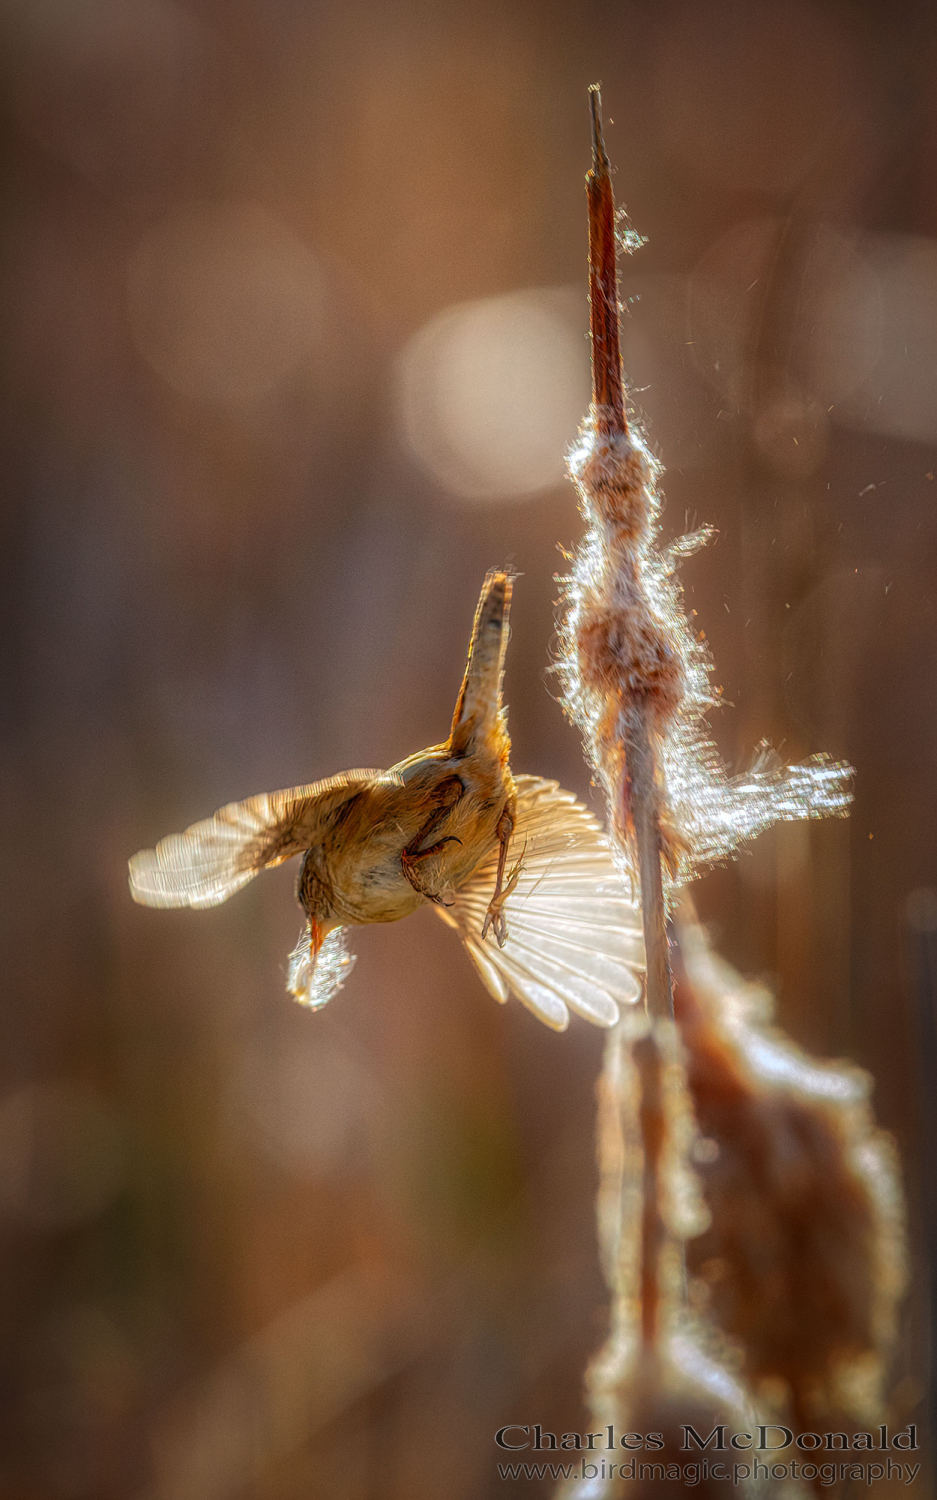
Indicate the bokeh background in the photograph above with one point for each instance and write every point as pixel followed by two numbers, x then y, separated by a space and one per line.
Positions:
pixel 293 341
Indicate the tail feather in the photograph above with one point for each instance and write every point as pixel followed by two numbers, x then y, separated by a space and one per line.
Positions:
pixel 479 700
pixel 574 939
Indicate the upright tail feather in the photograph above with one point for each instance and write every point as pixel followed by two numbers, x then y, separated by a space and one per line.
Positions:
pixel 479 700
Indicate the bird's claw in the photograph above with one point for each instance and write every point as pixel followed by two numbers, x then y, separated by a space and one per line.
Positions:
pixel 410 860
pixel 494 917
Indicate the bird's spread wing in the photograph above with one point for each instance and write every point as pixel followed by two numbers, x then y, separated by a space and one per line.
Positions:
pixel 574 929
pixel 211 860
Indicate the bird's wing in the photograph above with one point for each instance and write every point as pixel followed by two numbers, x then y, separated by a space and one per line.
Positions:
pixel 574 928
pixel 211 860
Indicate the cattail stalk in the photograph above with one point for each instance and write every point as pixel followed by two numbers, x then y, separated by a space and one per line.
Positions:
pixel 624 655
pixel 638 791
pixel 636 679
pixel 641 777
pixel 810 1255
pixel 604 325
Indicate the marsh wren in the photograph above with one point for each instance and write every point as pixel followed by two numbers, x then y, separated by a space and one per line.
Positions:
pixel 516 865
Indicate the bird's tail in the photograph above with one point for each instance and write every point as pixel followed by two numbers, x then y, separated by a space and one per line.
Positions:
pixel 479 700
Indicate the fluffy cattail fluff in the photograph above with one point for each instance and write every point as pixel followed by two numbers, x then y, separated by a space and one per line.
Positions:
pixel 803 1260
pixel 633 673
pixel 627 653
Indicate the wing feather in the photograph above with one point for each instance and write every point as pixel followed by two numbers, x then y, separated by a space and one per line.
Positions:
pixel 213 858
pixel 574 928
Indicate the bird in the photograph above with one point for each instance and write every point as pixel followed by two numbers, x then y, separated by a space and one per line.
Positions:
pixel 516 865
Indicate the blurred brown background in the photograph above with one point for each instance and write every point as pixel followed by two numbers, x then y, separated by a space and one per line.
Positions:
pixel 293 341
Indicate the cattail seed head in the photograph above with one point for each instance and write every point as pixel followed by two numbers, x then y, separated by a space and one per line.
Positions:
pixel 629 663
pixel 614 474
pixel 803 1258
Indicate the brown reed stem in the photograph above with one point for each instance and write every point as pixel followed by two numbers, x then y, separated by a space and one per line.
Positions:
pixel 641 779
pixel 653 1124
pixel 608 394
pixel 639 791
pixel 641 775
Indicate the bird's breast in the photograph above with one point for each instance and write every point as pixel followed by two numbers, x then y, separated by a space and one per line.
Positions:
pixel 367 879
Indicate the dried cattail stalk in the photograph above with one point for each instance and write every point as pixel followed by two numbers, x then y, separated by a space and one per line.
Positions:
pixel 803 1258
pixel 637 682
pixel 627 660
pixel 654 1373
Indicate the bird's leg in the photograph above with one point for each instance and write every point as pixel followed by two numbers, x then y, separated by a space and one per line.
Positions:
pixel 494 917
pixel 413 855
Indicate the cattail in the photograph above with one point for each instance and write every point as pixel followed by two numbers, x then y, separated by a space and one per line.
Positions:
pixel 635 677
pixel 637 681
pixel 803 1258
pixel 655 1374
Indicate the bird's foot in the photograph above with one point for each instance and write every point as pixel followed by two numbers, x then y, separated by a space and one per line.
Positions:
pixel 494 917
